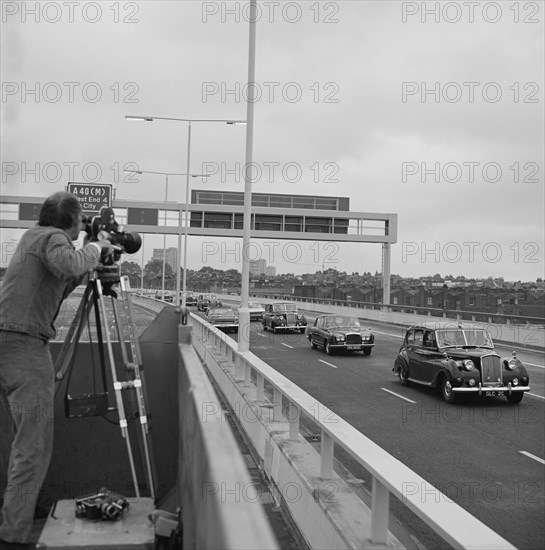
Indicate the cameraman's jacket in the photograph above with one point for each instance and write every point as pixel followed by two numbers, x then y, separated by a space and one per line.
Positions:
pixel 44 269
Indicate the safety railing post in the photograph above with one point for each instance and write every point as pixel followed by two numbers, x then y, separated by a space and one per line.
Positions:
pixel 277 405
pixel 294 414
pixel 247 372
pixel 260 387
pixel 326 456
pixel 239 367
pixel 380 510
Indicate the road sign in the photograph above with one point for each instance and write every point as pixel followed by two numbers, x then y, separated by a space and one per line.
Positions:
pixel 92 196
pixel 29 211
pixel 142 216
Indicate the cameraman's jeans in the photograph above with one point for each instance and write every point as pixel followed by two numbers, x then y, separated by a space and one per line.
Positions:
pixel 27 380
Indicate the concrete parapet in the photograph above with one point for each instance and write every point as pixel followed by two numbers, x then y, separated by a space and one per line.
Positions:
pixel 212 475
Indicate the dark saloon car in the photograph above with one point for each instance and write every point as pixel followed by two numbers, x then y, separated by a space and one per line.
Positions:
pixel 283 316
pixel 223 318
pixel 459 358
pixel 340 333
pixel 204 301
pixel 190 300
pixel 256 311
pixel 167 297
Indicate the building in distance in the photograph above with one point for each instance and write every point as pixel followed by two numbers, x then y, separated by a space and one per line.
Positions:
pixel 170 255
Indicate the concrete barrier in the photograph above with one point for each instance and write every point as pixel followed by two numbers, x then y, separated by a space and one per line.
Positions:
pixel 212 476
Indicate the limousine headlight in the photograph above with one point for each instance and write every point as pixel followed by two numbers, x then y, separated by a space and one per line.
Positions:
pixel 511 364
pixel 466 364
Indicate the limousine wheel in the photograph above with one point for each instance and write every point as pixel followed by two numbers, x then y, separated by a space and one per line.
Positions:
pixel 404 376
pixel 515 397
pixel 446 389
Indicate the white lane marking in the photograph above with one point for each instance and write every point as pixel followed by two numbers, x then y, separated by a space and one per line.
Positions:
pixel 535 395
pixel 400 396
pixel 326 363
pixel 533 365
pixel 530 455
pixel 388 334
pixel 291 347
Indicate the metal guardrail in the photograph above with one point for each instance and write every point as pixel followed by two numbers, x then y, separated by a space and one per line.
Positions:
pixel 529 335
pixel 461 315
pixel 389 476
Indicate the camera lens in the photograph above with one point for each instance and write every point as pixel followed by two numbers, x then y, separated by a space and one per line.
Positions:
pixel 131 242
pixel 111 510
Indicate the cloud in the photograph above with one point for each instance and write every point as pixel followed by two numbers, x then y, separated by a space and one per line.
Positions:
pixel 351 94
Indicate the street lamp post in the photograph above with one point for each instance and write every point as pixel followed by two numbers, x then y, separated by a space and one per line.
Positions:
pixel 186 209
pixel 167 174
pixel 164 244
pixel 142 269
pixel 244 315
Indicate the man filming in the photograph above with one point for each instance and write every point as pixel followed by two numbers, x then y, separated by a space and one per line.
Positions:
pixel 43 271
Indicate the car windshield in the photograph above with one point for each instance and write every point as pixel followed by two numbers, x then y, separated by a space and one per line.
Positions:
pixel 342 323
pixel 283 308
pixel 254 305
pixel 220 311
pixel 458 337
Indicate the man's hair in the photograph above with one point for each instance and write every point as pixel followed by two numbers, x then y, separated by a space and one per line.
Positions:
pixel 60 210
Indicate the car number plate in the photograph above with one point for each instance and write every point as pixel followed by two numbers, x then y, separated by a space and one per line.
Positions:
pixel 494 394
pixel 352 347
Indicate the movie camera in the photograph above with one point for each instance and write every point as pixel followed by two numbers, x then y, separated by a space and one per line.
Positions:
pixel 104 226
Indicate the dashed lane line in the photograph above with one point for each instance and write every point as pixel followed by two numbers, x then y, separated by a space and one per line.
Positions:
pixel 534 365
pixel 326 363
pixel 400 396
pixel 288 346
pixel 387 334
pixel 535 395
pixel 534 457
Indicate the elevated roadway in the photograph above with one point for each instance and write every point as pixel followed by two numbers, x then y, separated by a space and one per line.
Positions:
pixel 483 453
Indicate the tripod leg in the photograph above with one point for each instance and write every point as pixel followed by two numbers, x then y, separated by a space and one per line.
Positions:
pixel 100 339
pixel 139 385
pixel 74 332
pixel 117 388
pixel 120 335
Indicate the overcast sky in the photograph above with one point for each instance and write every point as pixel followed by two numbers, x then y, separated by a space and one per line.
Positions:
pixel 435 116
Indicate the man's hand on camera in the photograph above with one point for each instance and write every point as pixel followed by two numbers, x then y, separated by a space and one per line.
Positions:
pixel 103 235
pixel 106 248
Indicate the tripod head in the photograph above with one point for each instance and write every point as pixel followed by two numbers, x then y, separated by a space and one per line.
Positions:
pixel 109 275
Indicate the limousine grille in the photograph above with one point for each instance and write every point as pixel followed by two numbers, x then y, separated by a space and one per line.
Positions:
pixel 353 338
pixel 291 318
pixel 491 371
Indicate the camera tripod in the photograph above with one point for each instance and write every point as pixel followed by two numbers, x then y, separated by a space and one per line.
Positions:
pixel 96 404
